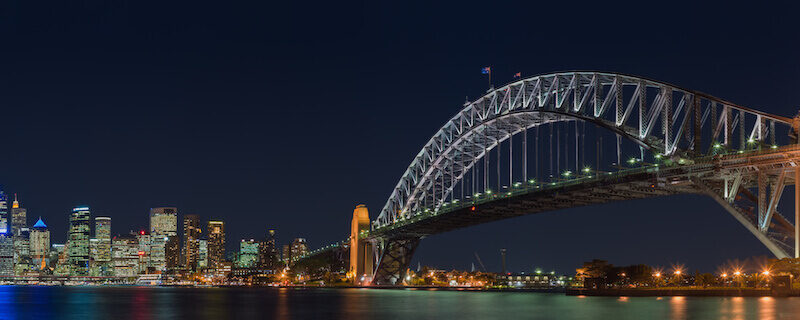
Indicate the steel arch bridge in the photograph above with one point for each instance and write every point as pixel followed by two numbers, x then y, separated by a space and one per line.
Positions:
pixel 478 167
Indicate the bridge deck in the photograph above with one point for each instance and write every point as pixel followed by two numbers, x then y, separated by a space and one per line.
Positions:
pixel 642 183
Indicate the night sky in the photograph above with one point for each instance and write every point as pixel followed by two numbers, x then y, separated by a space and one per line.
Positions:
pixel 288 114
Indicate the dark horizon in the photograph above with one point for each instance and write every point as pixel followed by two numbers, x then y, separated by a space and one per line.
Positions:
pixel 271 116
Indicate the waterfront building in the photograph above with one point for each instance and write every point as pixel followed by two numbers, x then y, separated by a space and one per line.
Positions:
pixel 202 254
pixel 78 241
pixel 299 247
pixel 532 280
pixel 163 226
pixel 144 252
pixel 268 252
pixel 22 252
pixel 126 255
pixel 216 243
pixel 191 238
pixel 248 254
pixel 40 245
pixel 58 258
pixel 222 271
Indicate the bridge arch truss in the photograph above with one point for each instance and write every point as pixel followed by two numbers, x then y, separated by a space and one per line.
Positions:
pixel 660 118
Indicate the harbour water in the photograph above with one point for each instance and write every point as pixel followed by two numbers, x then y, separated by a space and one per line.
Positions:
pixel 119 303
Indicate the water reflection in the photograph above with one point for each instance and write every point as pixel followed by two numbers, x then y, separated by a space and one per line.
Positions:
pixel 766 308
pixel 87 303
pixel 678 307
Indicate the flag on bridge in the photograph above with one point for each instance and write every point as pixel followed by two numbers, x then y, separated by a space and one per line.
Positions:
pixel 518 74
pixel 486 70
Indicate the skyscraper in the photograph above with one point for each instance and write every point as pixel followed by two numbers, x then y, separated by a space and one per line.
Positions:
pixel 4 213
pixel 18 217
pixel 287 254
pixel 40 245
pixel 20 235
pixel 299 248
pixel 202 254
pixel 248 254
pixel 191 238
pixel 102 232
pixel 267 252
pixel 6 255
pixel 216 243
pixel 78 242
pixel 164 226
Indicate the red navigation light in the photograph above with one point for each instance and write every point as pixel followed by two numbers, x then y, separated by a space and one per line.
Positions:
pixel 473 208
pixel 141 232
pixel 141 253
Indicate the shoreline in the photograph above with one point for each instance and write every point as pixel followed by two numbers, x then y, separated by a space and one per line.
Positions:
pixel 683 292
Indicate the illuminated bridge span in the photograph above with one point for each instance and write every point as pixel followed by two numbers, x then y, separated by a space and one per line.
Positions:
pixel 572 139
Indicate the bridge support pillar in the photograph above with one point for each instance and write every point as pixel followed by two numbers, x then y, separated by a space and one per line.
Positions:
pixel 361 253
pixel 394 260
pixel 796 212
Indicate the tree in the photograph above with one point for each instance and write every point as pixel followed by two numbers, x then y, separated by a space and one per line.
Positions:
pixel 705 280
pixel 639 273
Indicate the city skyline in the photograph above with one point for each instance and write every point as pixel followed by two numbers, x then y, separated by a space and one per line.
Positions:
pixel 97 228
pixel 206 118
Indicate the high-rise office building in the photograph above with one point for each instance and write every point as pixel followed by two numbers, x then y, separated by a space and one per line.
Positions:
pixel 40 245
pixel 287 254
pixel 248 254
pixel 299 247
pixel 18 217
pixel 191 238
pixel 6 255
pixel 267 252
pixel 216 243
pixel 125 255
pixel 4 228
pixel 20 237
pixel 163 227
pixel 102 232
pixel 6 239
pixel 202 254
pixel 78 242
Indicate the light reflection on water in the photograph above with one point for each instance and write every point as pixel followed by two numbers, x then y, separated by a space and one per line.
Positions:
pixel 145 303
